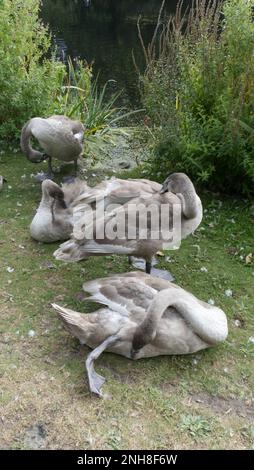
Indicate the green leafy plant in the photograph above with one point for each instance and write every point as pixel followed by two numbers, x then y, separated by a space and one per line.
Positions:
pixel 80 97
pixel 83 98
pixel 198 89
pixel 28 81
pixel 74 87
pixel 195 425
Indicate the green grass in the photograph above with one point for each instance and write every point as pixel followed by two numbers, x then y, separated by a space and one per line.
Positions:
pixel 203 400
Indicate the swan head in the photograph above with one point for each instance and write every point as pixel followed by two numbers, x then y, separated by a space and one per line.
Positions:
pixel 142 336
pixel 53 219
pixel 35 156
pixel 176 183
pixel 181 185
pixel 51 190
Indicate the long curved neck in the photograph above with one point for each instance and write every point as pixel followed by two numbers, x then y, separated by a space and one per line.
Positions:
pixel 32 155
pixel 189 199
pixel 210 326
pixel 146 331
pixel 51 192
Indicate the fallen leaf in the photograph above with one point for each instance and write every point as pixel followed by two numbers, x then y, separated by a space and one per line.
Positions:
pixel 31 333
pixel 228 293
pixel 59 297
pixel 160 253
pixel 10 269
pixel 248 258
pixel 203 269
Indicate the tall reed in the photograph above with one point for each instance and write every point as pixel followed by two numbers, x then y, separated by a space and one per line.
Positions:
pixel 198 89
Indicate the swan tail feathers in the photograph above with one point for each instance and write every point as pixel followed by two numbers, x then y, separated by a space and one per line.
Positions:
pixel 68 315
pixel 74 322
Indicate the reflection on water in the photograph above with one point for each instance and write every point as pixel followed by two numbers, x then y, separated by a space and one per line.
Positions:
pixel 104 31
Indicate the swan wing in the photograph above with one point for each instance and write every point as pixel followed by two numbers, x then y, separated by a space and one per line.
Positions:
pixel 122 293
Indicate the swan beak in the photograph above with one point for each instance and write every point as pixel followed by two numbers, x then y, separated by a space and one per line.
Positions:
pixel 164 189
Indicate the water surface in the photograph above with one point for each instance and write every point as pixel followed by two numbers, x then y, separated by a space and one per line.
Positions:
pixel 105 32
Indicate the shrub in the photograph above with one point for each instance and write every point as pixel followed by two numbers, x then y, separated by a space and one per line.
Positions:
pixel 28 81
pixel 198 90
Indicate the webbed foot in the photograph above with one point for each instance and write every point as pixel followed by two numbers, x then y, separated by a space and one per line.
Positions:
pixel 40 177
pixel 95 380
pixel 140 263
pixel 69 179
pixel 162 274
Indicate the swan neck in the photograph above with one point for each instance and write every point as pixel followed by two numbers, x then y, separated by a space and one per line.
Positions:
pixel 189 199
pixel 209 323
pixel 182 186
pixel 32 155
pixel 164 299
pixel 146 331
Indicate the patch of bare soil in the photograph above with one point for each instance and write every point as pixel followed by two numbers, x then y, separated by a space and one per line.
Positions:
pixel 244 409
pixel 35 437
pixel 127 377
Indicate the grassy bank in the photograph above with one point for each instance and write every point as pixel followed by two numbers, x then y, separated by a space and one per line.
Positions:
pixel 198 401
